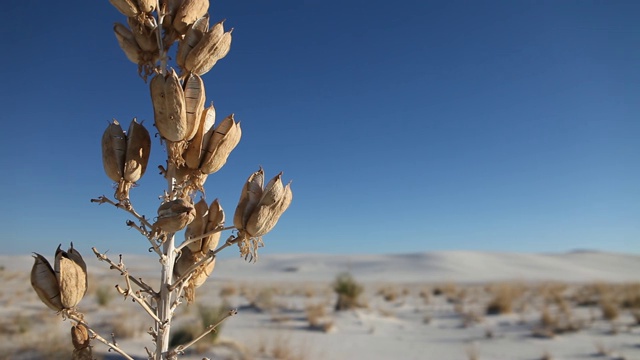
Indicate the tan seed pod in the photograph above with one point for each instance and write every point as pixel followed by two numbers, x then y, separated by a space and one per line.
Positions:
pixel 169 107
pixel 138 150
pixel 144 37
pixel 265 217
pixel 191 39
pixel 196 148
pixel 170 8
pixel 114 146
pixel 203 48
pixel 174 216
pixel 128 43
pixel 45 283
pixel 198 225
pixel 147 6
pixel 75 256
pixel 225 138
pixel 194 97
pixel 249 199
pixel 215 222
pixel 80 336
pixel 273 191
pixel 72 279
pixel 127 7
pixel 200 275
pixel 188 13
pixel 219 51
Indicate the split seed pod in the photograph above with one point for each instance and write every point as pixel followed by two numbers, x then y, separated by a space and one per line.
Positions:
pixel 72 277
pixel 188 13
pixel 191 39
pixel 138 150
pixel 128 8
pixel 128 43
pixel 213 46
pixel 200 274
pixel 114 146
pixel 174 216
pixel 224 139
pixel 45 283
pixel 169 110
pixel 147 6
pixel 144 36
pixel 215 222
pixel 249 199
pixel 195 150
pixel 198 225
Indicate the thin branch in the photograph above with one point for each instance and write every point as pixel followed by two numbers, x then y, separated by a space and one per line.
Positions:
pixel 138 299
pixel 126 207
pixel 179 350
pixel 120 267
pixel 194 239
pixel 146 234
pixel 97 336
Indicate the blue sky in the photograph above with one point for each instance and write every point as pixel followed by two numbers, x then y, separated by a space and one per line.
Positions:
pixel 405 126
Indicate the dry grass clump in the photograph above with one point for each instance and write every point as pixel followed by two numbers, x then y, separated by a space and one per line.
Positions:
pixel 504 296
pixel 389 293
pixel 609 308
pixel 263 300
pixel 207 315
pixel 348 291
pixel 317 318
pixel 280 348
pixel 103 295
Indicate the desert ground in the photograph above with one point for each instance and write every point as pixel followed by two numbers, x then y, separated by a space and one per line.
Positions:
pixel 438 305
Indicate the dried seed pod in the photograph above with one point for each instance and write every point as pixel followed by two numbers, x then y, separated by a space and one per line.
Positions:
pixel 144 36
pixel 128 8
pixel 200 274
pixel 174 216
pixel 128 43
pixel 188 13
pixel 72 279
pixel 198 225
pixel 169 107
pixel 82 354
pixel 197 146
pixel 75 256
pixel 45 283
pixel 80 336
pixel 138 150
pixel 147 6
pixel 215 222
pixel 191 39
pixel 249 199
pixel 170 9
pixel 225 138
pixel 265 216
pixel 194 97
pixel 114 145
pixel 213 46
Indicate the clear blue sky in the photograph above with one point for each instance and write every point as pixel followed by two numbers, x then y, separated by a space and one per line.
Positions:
pixel 405 126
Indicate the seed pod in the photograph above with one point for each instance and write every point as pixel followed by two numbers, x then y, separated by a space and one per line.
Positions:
pixel 82 354
pixel 168 107
pixel 265 217
pixel 79 336
pixel 200 275
pixel 138 149
pixel 188 13
pixel 249 199
pixel 224 139
pixel 114 146
pixel 198 225
pixel 144 37
pixel 45 283
pixel 72 279
pixel 194 97
pixel 191 39
pixel 213 46
pixel 170 8
pixel 75 256
pixel 215 222
pixel 128 8
pixel 195 150
pixel 174 216
pixel 147 6
pixel 128 43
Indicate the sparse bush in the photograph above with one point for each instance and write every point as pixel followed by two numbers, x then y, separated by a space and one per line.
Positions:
pixel 609 308
pixel 348 291
pixel 104 294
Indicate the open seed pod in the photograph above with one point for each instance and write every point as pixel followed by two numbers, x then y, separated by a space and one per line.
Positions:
pixel 215 222
pixel 128 8
pixel 114 146
pixel 200 275
pixel 174 216
pixel 80 336
pixel 275 200
pixel 213 46
pixel 198 225
pixel 128 43
pixel 72 277
pixel 224 139
pixel 144 35
pixel 45 283
pixel 197 146
pixel 188 12
pixel 249 199
pixel 138 150
pixel 169 108
pixel 193 36
pixel 147 6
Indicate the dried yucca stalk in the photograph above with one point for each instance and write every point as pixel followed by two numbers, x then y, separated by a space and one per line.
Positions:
pixel 196 147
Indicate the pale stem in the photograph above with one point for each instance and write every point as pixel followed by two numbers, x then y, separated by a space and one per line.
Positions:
pixel 120 267
pixel 163 53
pixel 196 238
pixel 97 336
pixel 181 348
pixel 164 301
pixel 148 235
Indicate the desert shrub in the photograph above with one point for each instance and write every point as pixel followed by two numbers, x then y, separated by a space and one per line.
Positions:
pixel 104 294
pixel 264 300
pixel 228 290
pixel 348 291
pixel 609 308
pixel 207 315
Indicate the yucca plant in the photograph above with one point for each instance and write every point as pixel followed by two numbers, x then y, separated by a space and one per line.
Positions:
pixel 195 149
